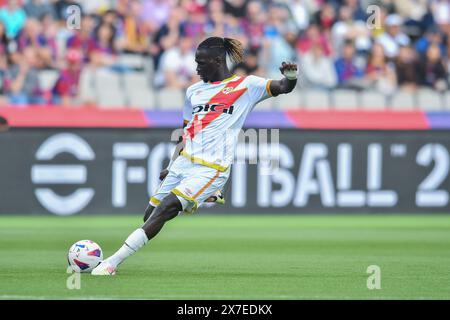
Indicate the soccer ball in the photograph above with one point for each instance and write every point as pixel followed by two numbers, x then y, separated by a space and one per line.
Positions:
pixel 84 256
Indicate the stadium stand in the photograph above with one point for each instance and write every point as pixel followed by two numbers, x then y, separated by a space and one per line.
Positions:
pixel 315 99
pixel 429 100
pixel 344 99
pixel 402 100
pixel 373 100
pixel 139 53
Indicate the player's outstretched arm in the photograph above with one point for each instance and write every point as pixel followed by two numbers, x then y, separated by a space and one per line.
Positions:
pixel 288 83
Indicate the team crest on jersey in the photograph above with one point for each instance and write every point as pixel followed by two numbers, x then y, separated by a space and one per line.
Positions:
pixel 227 90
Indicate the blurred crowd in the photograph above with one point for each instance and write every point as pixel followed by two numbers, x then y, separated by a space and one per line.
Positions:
pixel 383 45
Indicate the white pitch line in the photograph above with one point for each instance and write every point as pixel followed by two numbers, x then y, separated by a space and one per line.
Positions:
pixel 208 297
pixel 19 297
pixel 23 297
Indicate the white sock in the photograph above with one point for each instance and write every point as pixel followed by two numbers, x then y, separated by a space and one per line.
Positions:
pixel 133 243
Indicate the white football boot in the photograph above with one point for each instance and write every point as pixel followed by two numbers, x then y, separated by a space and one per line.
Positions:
pixel 104 269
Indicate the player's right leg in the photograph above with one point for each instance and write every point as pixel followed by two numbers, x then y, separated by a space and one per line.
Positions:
pixel 165 211
pixel 163 206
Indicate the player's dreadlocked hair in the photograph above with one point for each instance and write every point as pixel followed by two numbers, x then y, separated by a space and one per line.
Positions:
pixel 223 46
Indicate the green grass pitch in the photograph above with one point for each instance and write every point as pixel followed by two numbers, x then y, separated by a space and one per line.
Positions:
pixel 234 257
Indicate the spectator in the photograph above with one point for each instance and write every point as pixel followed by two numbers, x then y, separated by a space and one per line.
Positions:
pixel 102 47
pixel 135 34
pixel 249 66
pixel 413 11
pixel 155 13
pixel 358 13
pixel 4 52
pixel 299 11
pixel 4 48
pixel 428 18
pixel 318 69
pixel 82 38
pixel 37 9
pixel 379 73
pixel 277 21
pixel 112 17
pixel 13 17
pixel 313 36
pixel 178 68
pixel 167 36
pixel 236 8
pixel 235 29
pixel 349 74
pixel 195 24
pixel 66 88
pixel 326 17
pixel 216 25
pixel 432 72
pixel 406 69
pixel 21 79
pixel 441 12
pixel 278 47
pixel 61 8
pixel 279 40
pixel 32 36
pixel 432 36
pixel 94 6
pixel 447 62
pixel 55 37
pixel 393 38
pixel 254 24
pixel 348 29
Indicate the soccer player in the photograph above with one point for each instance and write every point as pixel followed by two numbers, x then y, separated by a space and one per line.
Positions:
pixel 220 103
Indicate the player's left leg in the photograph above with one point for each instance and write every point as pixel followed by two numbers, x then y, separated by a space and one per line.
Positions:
pixel 148 211
pixel 165 211
pixel 217 197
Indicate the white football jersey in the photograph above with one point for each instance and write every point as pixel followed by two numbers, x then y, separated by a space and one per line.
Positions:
pixel 216 113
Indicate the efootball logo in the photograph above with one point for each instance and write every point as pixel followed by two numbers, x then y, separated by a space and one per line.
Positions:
pixel 48 173
pixel 213 107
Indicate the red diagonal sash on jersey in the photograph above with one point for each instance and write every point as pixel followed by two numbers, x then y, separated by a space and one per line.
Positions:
pixel 222 100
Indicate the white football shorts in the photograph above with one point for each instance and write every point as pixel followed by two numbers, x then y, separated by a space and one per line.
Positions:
pixel 191 182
